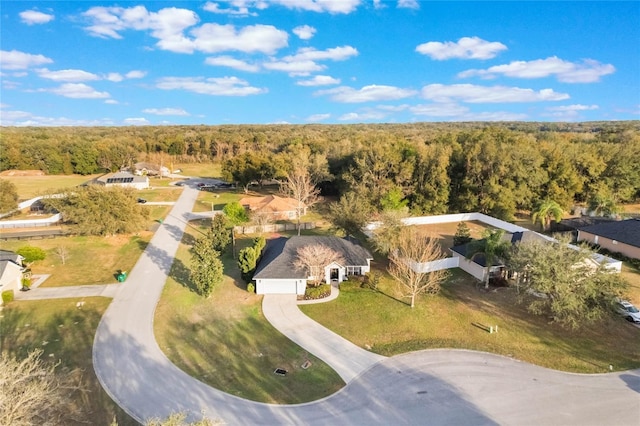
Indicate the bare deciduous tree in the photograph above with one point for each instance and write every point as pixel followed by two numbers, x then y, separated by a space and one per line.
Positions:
pixel 314 258
pixel 299 185
pixel 63 253
pixel 261 219
pixel 32 393
pixel 413 248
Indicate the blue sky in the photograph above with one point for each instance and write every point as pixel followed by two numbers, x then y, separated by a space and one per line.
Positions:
pixel 317 61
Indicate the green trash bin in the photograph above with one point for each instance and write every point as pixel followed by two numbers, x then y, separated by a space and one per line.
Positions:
pixel 121 277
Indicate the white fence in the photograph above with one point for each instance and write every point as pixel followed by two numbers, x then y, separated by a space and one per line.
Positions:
pixel 31 223
pixel 278 227
pixel 436 265
pixel 612 264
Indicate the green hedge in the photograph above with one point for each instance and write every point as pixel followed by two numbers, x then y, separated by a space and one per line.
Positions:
pixel 7 296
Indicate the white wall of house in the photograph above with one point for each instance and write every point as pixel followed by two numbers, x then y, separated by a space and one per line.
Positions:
pixel 11 279
pixel 281 286
pixel 342 272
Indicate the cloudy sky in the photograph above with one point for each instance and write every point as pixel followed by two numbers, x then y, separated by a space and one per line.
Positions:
pixel 317 61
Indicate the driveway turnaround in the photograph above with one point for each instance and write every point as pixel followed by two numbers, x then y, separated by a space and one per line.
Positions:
pixel 427 387
pixel 347 359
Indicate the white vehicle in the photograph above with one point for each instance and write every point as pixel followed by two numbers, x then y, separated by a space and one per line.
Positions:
pixel 627 310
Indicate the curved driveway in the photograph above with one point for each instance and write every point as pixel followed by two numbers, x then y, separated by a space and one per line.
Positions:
pixel 427 387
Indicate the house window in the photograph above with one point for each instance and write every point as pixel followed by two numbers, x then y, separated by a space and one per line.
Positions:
pixel 354 270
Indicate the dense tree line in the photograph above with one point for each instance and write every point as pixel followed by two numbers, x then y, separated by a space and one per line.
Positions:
pixel 495 168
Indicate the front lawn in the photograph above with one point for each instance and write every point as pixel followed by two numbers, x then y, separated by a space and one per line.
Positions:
pixel 89 260
pixel 226 342
pixel 455 319
pixel 65 333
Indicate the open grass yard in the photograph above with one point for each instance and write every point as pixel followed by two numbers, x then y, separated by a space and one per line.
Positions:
pixel 226 342
pixel 208 201
pixel 455 319
pixel 168 194
pixel 32 186
pixel 204 170
pixel 444 232
pixel 89 260
pixel 632 276
pixel 65 334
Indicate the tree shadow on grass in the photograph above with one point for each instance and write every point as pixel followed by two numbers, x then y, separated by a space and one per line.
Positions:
pixel 66 337
pixel 181 274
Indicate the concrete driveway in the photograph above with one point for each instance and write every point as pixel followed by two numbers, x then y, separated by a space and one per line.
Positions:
pixel 427 387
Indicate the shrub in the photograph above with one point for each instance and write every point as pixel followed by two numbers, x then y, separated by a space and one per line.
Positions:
pixel 371 281
pixel 26 282
pixel 7 296
pixel 31 254
pixel 320 292
pixel 251 288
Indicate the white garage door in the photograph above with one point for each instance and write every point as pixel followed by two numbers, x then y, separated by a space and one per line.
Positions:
pixel 276 286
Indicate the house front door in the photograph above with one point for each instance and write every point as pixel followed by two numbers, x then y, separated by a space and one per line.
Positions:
pixel 335 274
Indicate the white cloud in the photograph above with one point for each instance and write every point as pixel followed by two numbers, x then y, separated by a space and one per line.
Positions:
pixel 222 86
pixel 23 118
pixel 236 7
pixel 165 111
pixel 16 60
pixel 330 6
pixel 78 91
pixel 569 112
pixel 363 116
pixel 393 108
pixel 449 109
pixel 488 94
pixel 575 107
pixel 303 62
pixel 304 32
pixel 366 94
pixel 114 76
pixel 319 80
pixel 111 102
pixel 317 117
pixel 228 61
pixel 408 4
pixel 33 17
pixel 294 68
pixel 588 71
pixel 136 121
pixel 69 75
pixel 212 38
pixel 340 53
pixel 465 48
pixel 135 74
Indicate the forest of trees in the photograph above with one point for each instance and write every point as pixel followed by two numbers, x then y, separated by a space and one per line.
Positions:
pixel 494 168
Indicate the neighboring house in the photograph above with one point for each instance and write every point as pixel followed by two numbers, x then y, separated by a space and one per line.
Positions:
pixel 124 179
pixel 477 266
pixel 620 236
pixel 150 169
pixel 10 271
pixel 276 273
pixel 277 207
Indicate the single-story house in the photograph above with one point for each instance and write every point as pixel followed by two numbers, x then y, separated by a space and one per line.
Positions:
pixel 150 169
pixel 10 271
pixel 621 236
pixel 276 273
pixel 278 207
pixel 124 179
pixel 477 266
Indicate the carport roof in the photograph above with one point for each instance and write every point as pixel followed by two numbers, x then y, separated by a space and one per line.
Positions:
pixel 280 254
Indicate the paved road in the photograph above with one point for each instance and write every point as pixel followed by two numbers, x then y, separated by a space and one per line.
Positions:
pixel 428 387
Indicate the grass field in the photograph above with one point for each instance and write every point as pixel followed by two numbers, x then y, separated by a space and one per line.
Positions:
pixel 65 334
pixel 456 318
pixel 32 186
pixel 90 260
pixel 226 342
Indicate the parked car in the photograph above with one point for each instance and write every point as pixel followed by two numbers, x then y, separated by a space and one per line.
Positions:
pixel 627 310
pixel 141 200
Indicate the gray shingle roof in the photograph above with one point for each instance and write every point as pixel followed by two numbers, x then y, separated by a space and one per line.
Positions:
pixel 624 231
pixel 11 256
pixel 280 254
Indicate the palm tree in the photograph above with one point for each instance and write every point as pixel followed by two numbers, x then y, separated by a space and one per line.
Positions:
pixel 545 211
pixel 603 205
pixel 493 246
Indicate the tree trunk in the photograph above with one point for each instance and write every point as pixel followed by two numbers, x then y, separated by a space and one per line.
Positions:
pixel 486 281
pixel 413 300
